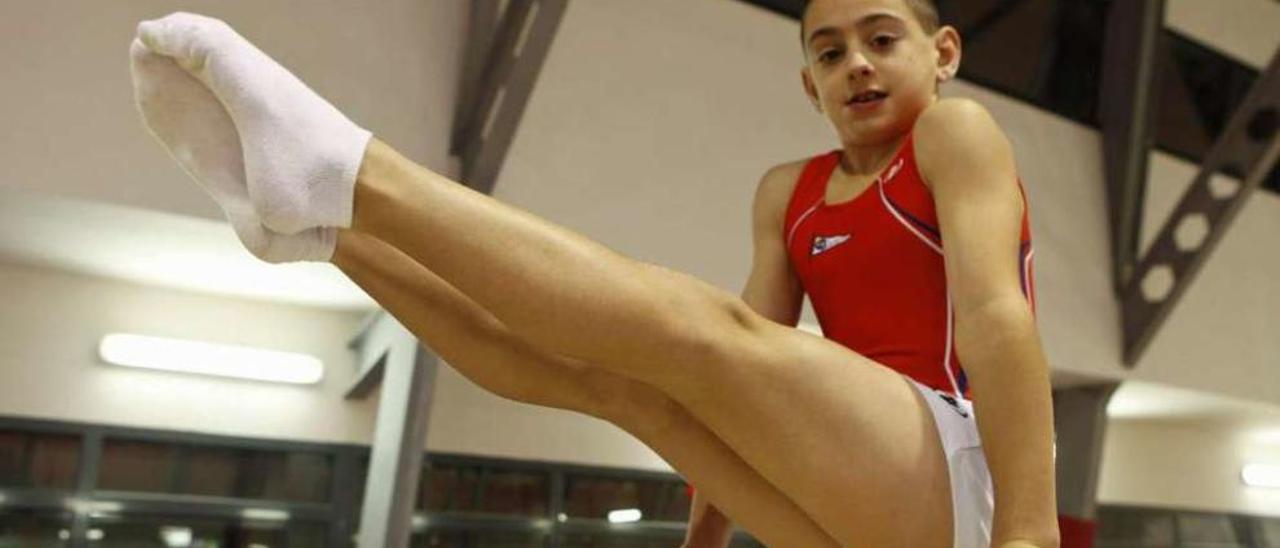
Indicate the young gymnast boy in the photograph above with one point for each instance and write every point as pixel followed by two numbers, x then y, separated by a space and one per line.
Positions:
pixel 865 438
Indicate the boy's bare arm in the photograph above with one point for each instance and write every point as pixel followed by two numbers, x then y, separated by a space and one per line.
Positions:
pixel 773 291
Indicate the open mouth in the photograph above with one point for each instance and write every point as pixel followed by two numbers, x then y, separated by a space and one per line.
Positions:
pixel 867 97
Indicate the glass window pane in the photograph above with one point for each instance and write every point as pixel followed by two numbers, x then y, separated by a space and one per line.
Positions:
pixel 21 528
pixel 618 540
pixel 298 477
pixel 32 459
pixel 308 477
pixel 160 531
pixel 594 497
pixel 362 477
pixel 13 451
pixel 54 461
pixel 260 475
pixel 267 475
pixel 1205 528
pixel 745 541
pixel 1135 527
pixel 449 488
pixel 1269 533
pixel 632 540
pixel 211 472
pixel 434 538
pixel 453 488
pixel 136 466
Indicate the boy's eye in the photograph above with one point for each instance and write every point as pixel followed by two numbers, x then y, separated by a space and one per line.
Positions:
pixel 829 55
pixel 883 40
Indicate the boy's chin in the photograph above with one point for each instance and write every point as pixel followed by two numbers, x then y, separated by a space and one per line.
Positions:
pixel 878 135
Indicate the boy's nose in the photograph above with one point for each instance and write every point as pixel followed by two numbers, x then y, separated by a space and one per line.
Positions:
pixel 859 66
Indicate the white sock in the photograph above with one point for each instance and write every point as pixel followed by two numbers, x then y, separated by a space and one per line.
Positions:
pixel 301 154
pixel 192 125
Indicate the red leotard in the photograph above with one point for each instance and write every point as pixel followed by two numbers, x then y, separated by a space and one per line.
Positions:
pixel 873 269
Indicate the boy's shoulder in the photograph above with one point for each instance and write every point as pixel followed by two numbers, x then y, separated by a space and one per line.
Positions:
pixel 959 139
pixel 777 184
pixel 785 174
pixel 952 109
pixel 953 120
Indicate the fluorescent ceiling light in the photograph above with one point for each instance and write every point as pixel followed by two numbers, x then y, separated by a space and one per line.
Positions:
pixel 81 506
pixel 176 537
pixel 265 514
pixel 1261 475
pixel 210 359
pixel 629 515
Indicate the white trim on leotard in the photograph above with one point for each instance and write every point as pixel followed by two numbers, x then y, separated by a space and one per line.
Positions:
pixel 792 233
pixel 946 356
pixel 1026 275
pixel 884 199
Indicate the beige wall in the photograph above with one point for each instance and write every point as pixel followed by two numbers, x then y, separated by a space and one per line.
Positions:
pixel 49 366
pixel 652 122
pixel 49 369
pixel 1185 465
pixel 647 131
pixel 466 419
pixel 70 126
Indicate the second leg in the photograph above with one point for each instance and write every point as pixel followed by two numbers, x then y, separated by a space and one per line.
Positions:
pixel 850 441
pixel 481 348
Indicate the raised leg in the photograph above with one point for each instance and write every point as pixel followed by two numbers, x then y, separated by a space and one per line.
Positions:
pixel 557 289
pixel 483 350
pixel 850 441
pixel 846 439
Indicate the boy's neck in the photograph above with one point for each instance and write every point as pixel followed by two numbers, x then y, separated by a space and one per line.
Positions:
pixel 869 159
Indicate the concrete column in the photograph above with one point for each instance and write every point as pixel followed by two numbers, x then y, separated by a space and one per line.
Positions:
pixel 1080 421
pixel 390 357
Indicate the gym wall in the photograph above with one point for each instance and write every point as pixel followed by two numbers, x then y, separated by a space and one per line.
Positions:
pixel 648 129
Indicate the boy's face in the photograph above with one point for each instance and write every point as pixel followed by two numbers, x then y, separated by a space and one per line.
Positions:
pixel 872 68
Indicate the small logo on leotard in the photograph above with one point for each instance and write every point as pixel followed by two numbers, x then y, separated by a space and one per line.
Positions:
pixel 892 171
pixel 823 244
pixel 954 405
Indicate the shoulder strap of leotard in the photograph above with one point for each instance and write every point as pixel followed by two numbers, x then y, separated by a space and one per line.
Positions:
pixel 807 194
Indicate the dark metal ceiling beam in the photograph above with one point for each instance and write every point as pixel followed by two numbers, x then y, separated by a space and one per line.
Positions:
pixel 481 29
pixel 789 8
pixel 496 88
pixel 973 31
pixel 1130 78
pixel 1249 146
pixel 795 8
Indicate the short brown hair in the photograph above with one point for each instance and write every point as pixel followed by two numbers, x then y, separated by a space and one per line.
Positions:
pixel 926 12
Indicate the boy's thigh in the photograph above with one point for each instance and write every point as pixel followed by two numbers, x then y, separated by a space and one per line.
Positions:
pixel 850 440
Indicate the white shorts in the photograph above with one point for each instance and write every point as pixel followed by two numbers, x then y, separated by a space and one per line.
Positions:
pixel 972 497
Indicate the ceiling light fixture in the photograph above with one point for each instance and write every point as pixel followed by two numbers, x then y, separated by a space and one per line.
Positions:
pixel 630 515
pixel 1261 475
pixel 264 514
pixel 210 359
pixel 176 536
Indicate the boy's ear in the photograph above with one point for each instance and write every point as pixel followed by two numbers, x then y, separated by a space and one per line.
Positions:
pixel 949 47
pixel 810 90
